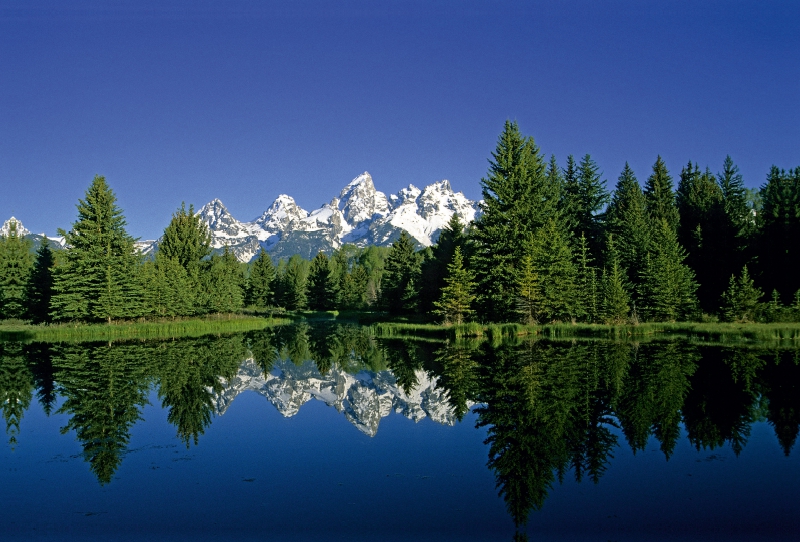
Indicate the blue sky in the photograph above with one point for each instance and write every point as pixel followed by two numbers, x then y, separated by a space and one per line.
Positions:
pixel 188 101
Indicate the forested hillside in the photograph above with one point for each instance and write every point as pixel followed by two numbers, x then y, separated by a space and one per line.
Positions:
pixel 552 244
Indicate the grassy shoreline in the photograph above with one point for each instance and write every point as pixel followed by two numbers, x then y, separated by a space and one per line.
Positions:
pixel 704 332
pixel 725 333
pixel 80 332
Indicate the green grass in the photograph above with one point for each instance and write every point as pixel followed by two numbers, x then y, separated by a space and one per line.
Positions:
pixel 701 332
pixel 217 324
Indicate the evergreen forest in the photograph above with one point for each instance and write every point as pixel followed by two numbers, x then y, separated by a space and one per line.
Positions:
pixel 552 244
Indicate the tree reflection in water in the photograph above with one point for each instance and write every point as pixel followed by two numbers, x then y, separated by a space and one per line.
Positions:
pixel 549 408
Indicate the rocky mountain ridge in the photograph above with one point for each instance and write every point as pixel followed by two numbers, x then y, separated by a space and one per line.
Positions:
pixel 363 398
pixel 361 215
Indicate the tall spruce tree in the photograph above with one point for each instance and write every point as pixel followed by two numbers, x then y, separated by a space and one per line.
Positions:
pixel 667 284
pixel 186 245
pixel 553 259
pixel 660 197
pixel 454 305
pixel 96 279
pixel 615 301
pixel 529 291
pixel 224 283
pixel 321 286
pixel 260 283
pixel 39 288
pixel 518 199
pixel 738 224
pixel 15 269
pixel 586 291
pixel 629 224
pixel 401 277
pixel 592 199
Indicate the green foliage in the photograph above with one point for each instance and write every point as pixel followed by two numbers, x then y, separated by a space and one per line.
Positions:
pixel 290 291
pixel 615 303
pixel 224 288
pixel 457 295
pixel 261 281
pixel 740 300
pixel 39 289
pixel 586 283
pixel 660 197
pixel 96 278
pixel 529 291
pixel 186 239
pixel 434 269
pixel 519 199
pixel 15 268
pixel 321 287
pixel 627 220
pixel 553 260
pixel 667 290
pixel 401 277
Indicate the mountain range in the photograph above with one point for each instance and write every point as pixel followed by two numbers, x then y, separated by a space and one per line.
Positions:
pixel 361 215
pixel 363 398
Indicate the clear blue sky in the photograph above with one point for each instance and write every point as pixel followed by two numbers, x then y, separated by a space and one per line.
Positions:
pixel 188 101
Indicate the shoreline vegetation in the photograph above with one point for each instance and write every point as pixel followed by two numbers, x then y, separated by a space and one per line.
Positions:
pixel 165 329
pixel 553 253
pixel 383 326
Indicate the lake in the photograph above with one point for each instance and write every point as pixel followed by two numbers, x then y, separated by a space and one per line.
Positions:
pixel 325 432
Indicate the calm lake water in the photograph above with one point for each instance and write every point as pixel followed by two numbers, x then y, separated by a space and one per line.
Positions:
pixel 326 433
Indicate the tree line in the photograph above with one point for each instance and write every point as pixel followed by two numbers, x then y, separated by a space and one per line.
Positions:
pixel 552 244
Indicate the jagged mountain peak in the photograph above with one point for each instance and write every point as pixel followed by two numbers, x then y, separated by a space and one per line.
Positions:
pixel 360 201
pixel 361 215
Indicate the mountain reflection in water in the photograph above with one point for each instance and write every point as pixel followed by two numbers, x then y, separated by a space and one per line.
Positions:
pixel 550 409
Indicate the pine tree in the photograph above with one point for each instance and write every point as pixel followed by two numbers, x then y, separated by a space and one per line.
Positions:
pixel 292 282
pixel 570 201
pixel 586 294
pixel 615 299
pixel 529 291
pixel 16 264
pixel 629 224
pixel 738 224
pixel 260 283
pixel 400 276
pixel 434 269
pixel 321 288
pixel 740 300
pixel 457 295
pixel 39 288
pixel 660 197
pixel 225 283
pixel 187 243
pixel 97 277
pixel 553 259
pixel 592 198
pixel 518 199
pixel 667 283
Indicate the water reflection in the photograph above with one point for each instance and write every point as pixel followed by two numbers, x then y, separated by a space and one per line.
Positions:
pixel 549 409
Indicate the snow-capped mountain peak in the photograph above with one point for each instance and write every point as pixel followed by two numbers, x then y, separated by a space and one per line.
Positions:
pixel 361 215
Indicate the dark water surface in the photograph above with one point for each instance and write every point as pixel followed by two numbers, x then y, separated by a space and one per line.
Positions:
pixel 326 433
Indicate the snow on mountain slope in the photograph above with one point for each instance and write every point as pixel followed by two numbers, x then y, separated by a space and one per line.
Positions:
pixel 363 398
pixel 361 215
